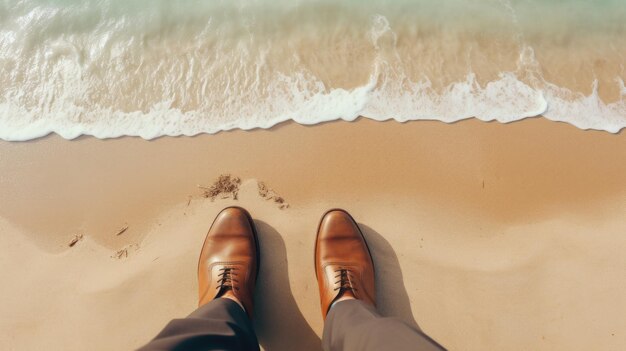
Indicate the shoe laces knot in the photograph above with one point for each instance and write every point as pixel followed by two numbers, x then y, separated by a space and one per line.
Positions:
pixel 227 278
pixel 344 278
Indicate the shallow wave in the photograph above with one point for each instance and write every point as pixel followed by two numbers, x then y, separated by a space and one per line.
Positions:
pixel 504 100
pixel 114 70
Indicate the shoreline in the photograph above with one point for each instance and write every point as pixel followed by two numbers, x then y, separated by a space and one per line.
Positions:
pixel 529 167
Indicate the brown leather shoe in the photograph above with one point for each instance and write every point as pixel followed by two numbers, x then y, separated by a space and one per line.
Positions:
pixel 229 260
pixel 342 260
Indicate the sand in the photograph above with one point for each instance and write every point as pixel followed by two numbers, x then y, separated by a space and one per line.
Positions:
pixel 486 236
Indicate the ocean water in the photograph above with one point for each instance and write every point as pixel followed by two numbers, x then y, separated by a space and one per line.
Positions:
pixel 150 68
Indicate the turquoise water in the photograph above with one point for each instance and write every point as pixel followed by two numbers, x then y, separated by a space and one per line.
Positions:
pixel 153 68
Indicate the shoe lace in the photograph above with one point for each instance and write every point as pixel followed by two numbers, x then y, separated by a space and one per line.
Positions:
pixel 344 278
pixel 226 280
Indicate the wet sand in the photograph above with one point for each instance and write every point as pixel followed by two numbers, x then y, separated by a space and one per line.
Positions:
pixel 486 236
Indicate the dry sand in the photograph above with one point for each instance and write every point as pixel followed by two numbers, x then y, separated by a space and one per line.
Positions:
pixel 487 236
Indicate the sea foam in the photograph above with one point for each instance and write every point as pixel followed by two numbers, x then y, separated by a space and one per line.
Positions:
pixel 108 69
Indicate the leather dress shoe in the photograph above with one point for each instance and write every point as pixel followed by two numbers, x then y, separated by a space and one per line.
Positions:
pixel 343 263
pixel 229 260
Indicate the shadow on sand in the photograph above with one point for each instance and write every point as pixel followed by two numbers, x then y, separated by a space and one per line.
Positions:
pixel 279 324
pixel 392 298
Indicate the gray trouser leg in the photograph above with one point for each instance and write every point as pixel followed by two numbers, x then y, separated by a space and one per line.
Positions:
pixel 352 325
pixel 219 325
